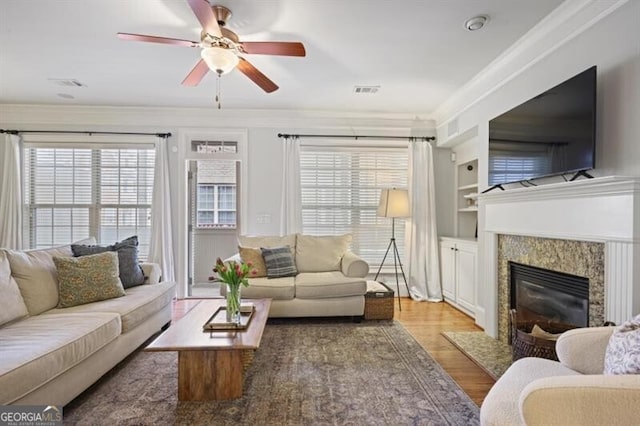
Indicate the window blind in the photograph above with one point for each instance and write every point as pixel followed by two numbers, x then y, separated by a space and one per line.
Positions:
pixel 73 193
pixel 513 167
pixel 341 190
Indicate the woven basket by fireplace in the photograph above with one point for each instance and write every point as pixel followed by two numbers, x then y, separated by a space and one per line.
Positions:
pixel 524 344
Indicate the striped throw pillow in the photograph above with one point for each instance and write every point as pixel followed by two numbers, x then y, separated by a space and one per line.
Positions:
pixel 279 262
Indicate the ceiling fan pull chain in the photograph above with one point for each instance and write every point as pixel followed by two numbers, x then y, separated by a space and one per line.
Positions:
pixel 218 90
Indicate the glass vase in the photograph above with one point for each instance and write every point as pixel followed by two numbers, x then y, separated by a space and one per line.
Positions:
pixel 233 304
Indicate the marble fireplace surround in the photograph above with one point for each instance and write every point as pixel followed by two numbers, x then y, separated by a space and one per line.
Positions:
pixel 602 210
pixel 581 258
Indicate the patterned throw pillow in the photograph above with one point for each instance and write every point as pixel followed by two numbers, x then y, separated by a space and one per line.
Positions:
pixel 88 279
pixel 253 256
pixel 279 262
pixel 131 273
pixel 623 351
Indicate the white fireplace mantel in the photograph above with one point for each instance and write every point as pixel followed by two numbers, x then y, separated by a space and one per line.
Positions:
pixel 603 210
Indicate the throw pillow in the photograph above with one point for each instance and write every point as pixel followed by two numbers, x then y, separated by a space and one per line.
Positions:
pixel 623 351
pixel 88 279
pixel 321 253
pixel 254 257
pixel 12 305
pixel 279 262
pixel 131 273
pixel 36 275
pixel 269 242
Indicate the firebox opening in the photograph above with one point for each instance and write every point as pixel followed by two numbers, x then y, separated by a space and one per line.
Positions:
pixel 546 296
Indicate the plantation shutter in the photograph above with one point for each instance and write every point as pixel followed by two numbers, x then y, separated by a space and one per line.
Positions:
pixel 341 187
pixel 74 190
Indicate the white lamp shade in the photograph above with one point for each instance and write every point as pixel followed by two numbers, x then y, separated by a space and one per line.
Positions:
pixel 219 60
pixel 394 203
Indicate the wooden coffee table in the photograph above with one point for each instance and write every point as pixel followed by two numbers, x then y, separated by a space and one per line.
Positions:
pixel 210 365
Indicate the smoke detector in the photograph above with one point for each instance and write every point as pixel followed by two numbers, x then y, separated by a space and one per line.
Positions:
pixel 476 23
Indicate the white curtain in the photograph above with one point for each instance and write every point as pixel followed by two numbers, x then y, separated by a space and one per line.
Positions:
pixel 161 243
pixel 291 216
pixel 424 264
pixel 10 193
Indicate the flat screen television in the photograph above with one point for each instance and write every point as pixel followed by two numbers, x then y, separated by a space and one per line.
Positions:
pixel 553 133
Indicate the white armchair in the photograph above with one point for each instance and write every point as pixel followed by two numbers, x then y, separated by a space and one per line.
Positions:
pixel 574 391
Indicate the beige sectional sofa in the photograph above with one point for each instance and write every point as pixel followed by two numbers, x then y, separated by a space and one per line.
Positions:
pixel 330 281
pixel 49 355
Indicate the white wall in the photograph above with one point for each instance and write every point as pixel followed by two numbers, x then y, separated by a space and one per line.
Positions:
pixel 265 181
pixel 444 170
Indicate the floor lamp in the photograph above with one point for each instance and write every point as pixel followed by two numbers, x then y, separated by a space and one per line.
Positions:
pixel 394 203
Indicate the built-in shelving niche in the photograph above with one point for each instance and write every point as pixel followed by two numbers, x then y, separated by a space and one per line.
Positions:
pixel 467 193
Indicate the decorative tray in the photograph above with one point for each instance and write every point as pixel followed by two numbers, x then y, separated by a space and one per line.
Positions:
pixel 218 321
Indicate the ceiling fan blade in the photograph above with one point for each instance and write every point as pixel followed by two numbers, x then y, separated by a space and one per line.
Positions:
pixel 256 76
pixel 154 39
pixel 203 11
pixel 196 74
pixel 284 48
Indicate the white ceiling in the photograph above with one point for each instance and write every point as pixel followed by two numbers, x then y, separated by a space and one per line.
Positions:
pixel 418 51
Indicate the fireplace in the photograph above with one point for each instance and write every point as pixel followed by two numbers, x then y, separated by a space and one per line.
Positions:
pixel 589 228
pixel 571 258
pixel 544 296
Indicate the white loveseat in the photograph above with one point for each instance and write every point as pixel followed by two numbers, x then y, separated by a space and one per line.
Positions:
pixel 330 281
pixel 52 354
pixel 574 391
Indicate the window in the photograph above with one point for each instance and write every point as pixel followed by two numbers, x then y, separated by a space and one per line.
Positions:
pixel 341 190
pixel 216 194
pixel 74 193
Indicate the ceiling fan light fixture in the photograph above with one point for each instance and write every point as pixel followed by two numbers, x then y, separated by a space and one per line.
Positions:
pixel 219 60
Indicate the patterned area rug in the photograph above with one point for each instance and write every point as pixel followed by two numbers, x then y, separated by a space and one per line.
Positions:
pixel 490 354
pixel 304 373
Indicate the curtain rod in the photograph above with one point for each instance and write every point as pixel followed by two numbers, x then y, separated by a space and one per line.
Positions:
pixel 15 132
pixel 356 137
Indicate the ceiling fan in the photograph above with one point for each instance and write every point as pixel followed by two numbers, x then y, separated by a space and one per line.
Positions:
pixel 221 48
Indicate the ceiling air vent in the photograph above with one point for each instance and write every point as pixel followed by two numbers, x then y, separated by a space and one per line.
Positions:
pixel 67 82
pixel 366 89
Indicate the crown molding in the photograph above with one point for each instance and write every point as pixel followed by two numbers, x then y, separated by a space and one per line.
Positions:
pixel 82 115
pixel 566 22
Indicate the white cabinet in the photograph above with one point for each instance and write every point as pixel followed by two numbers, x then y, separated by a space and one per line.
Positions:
pixel 448 269
pixel 458 265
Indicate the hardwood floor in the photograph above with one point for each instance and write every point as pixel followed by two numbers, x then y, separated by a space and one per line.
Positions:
pixel 425 321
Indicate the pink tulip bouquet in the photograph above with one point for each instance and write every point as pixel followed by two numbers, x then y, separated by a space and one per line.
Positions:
pixel 234 275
